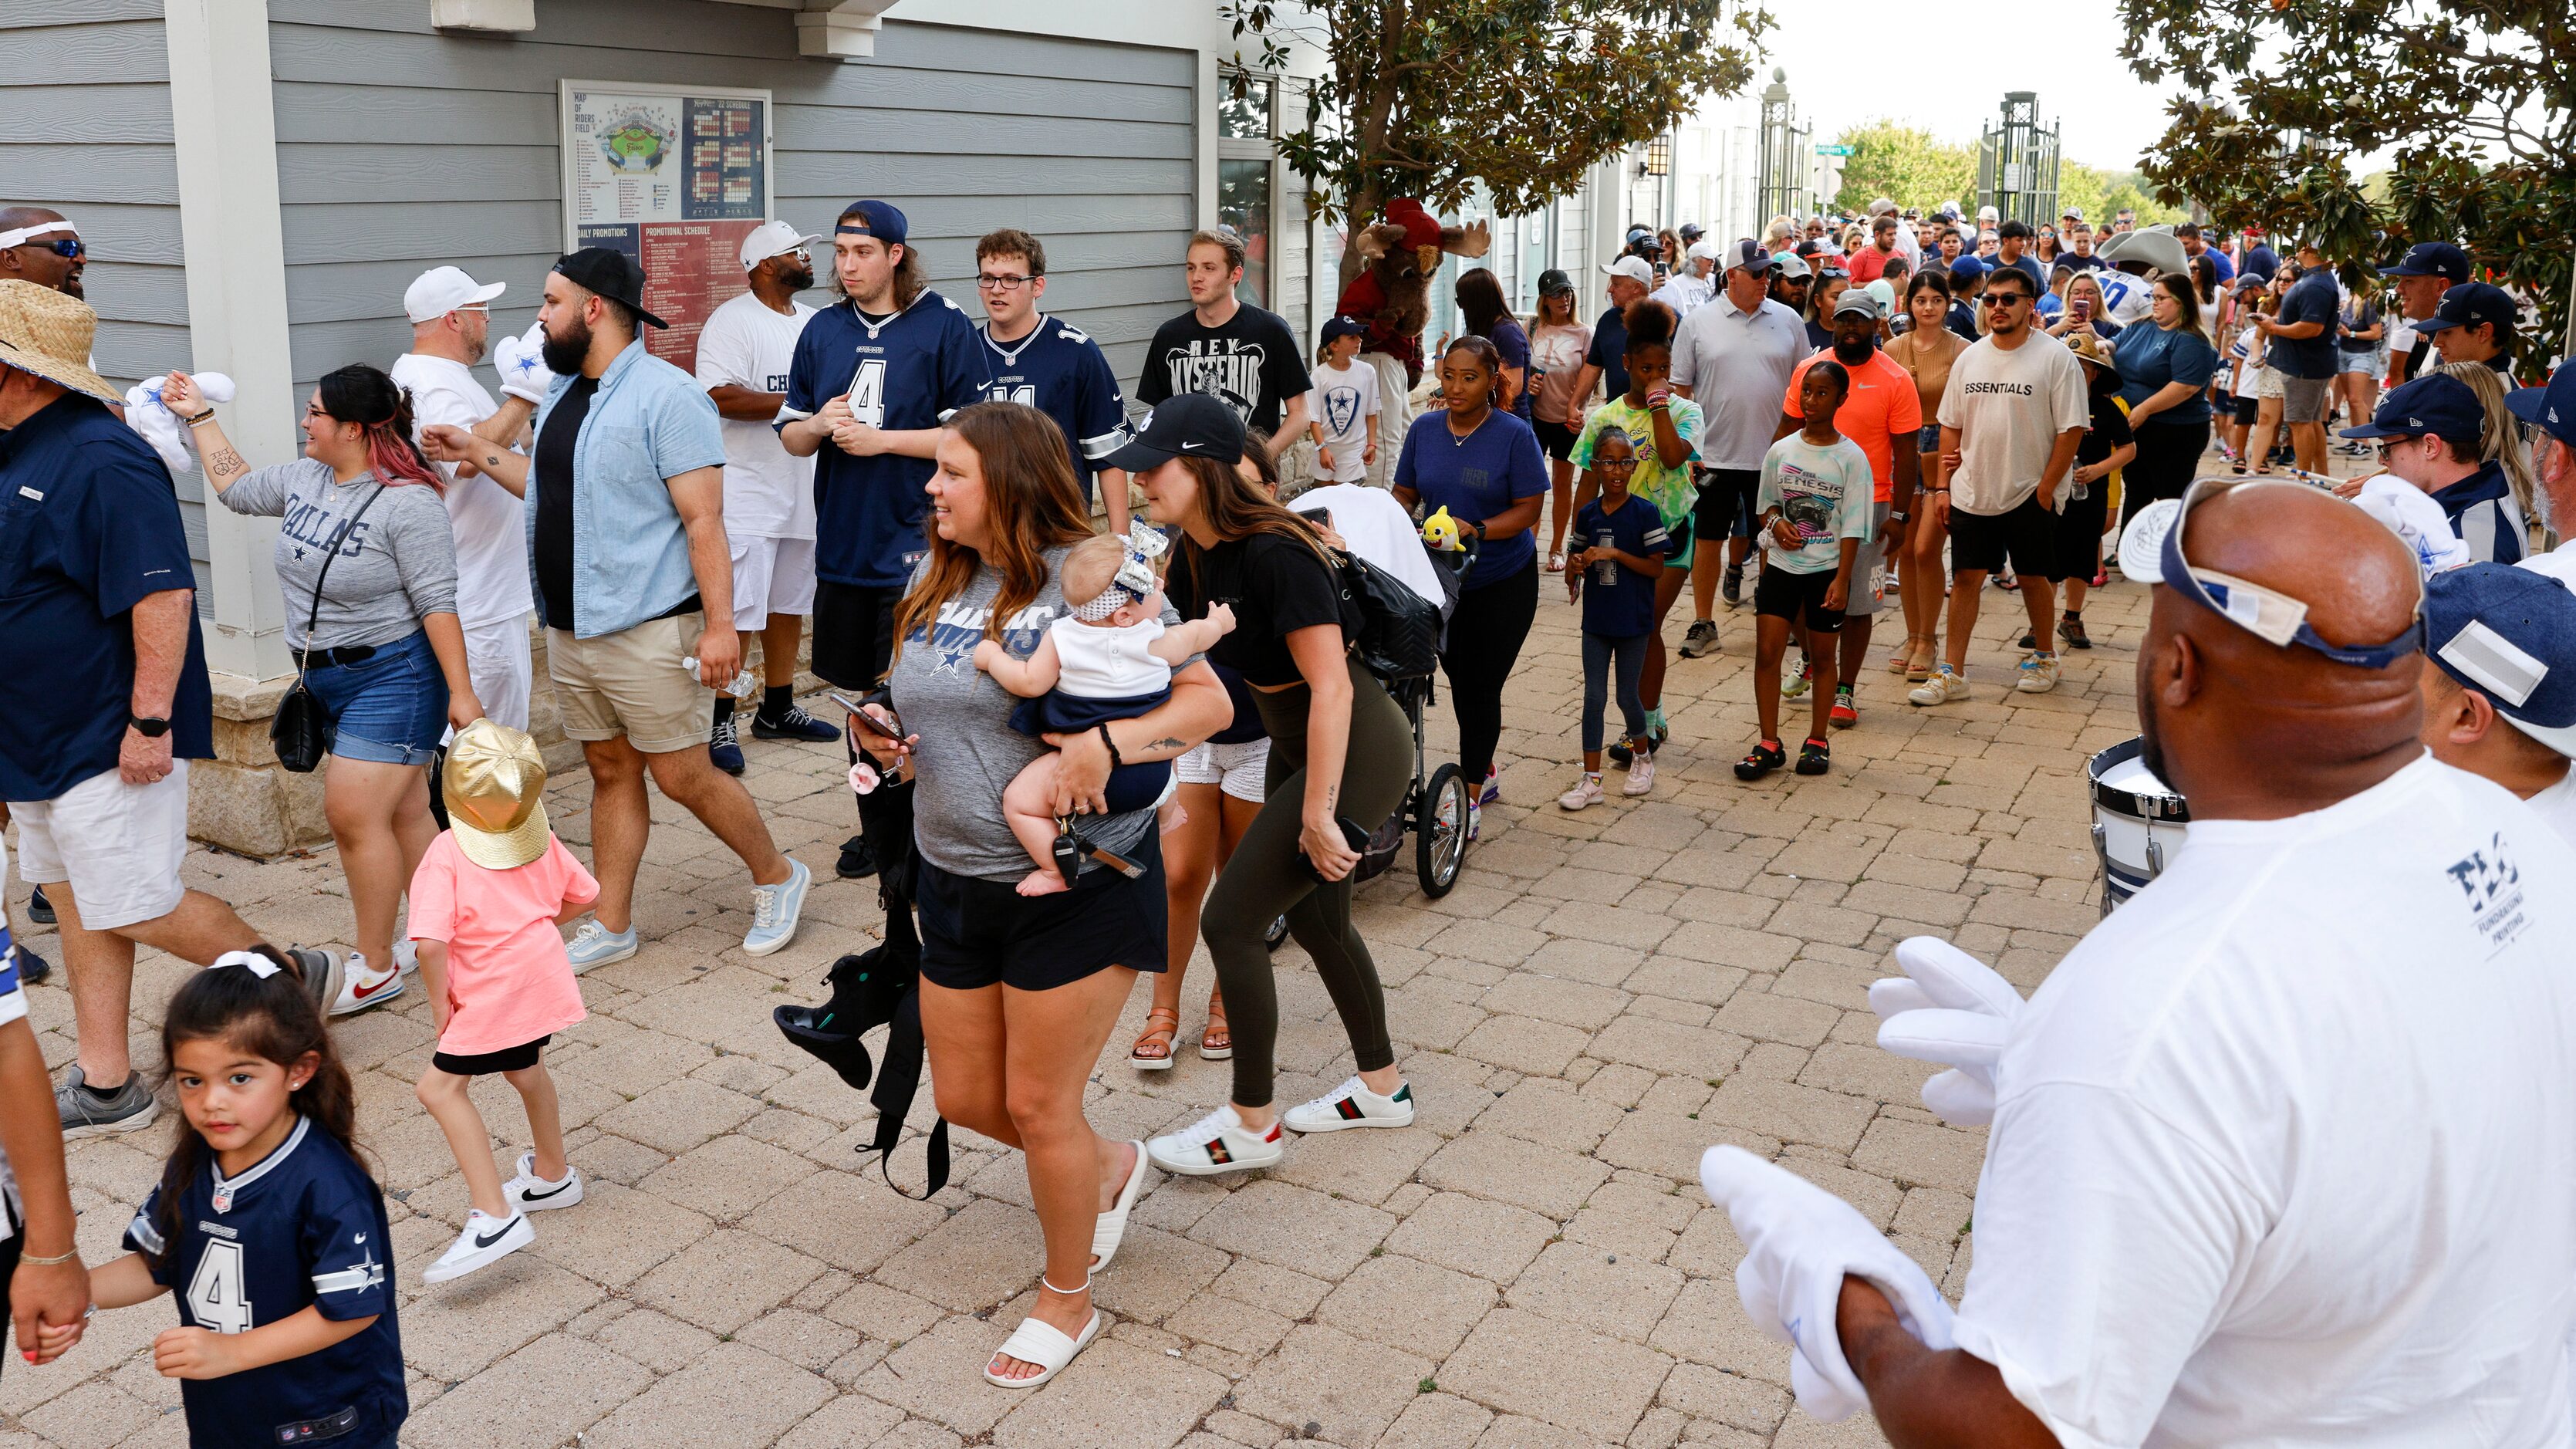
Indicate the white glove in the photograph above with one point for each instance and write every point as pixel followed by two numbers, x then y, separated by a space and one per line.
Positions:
pixel 152 420
pixel 2411 514
pixel 521 361
pixel 1952 1009
pixel 1800 1242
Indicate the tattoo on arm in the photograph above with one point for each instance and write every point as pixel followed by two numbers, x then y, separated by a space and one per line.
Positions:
pixel 1332 795
pixel 1165 743
pixel 227 462
pixel 491 460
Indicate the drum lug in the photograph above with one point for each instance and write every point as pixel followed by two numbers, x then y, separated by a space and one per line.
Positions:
pixel 2102 856
pixel 2155 856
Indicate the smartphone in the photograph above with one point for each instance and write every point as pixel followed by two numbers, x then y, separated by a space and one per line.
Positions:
pixel 1322 517
pixel 866 720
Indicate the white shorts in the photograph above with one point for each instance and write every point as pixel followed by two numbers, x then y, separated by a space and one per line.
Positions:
pixel 1236 769
pixel 771 576
pixel 496 656
pixel 119 845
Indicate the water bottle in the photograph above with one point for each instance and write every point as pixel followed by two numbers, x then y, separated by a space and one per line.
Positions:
pixel 743 686
pixel 1606 572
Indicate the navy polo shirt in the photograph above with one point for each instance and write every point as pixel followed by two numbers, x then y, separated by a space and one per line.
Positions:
pixel 89 527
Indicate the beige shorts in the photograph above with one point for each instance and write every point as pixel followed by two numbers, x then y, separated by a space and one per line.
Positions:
pixel 630 683
pixel 118 846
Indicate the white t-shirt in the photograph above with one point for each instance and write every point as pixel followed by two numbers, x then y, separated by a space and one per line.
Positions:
pixel 1684 293
pixel 2284 1153
pixel 2557 805
pixel 1378 529
pixel 491 526
pixel 768 491
pixel 1108 661
pixel 2010 407
pixel 1345 399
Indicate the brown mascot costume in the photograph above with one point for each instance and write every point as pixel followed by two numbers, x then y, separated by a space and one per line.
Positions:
pixel 1392 294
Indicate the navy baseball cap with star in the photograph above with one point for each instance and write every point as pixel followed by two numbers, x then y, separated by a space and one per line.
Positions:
pixel 2471 303
pixel 2438 405
pixel 2551 407
pixel 2432 259
pixel 2510 634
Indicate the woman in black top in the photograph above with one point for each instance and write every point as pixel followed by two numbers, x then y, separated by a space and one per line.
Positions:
pixel 1341 758
pixel 1487 315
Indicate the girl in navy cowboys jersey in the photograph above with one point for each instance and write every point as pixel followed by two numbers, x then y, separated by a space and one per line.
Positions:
pixel 272 1235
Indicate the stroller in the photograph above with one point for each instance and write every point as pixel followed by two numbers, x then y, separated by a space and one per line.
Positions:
pixel 1434 810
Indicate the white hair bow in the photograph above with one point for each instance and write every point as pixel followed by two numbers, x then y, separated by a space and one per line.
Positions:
pixel 251 961
pixel 1145 543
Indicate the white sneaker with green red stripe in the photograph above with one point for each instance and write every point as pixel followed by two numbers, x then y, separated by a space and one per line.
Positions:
pixel 1217 1142
pixel 1352 1104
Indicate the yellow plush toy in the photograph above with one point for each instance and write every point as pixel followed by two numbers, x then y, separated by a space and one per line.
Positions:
pixel 1441 531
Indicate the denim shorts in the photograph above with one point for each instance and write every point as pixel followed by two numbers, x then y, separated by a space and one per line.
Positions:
pixel 389 708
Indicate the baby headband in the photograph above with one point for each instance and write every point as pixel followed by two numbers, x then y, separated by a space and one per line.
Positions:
pixel 1135 579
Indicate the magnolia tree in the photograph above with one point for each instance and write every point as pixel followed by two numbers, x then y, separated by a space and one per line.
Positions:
pixel 1433 98
pixel 2475 100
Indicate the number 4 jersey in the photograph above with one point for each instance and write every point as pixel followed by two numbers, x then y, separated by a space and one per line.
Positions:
pixel 304 1227
pixel 901 372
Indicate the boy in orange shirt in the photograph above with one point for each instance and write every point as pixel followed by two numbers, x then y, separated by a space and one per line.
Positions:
pixel 485 908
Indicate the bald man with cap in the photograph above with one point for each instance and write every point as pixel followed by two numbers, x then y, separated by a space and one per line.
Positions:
pixel 2284 1152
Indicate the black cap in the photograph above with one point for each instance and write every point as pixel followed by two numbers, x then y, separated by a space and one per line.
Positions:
pixel 1553 283
pixel 612 274
pixel 1191 424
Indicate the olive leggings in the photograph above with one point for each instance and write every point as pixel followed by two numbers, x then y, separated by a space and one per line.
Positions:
pixel 1267 876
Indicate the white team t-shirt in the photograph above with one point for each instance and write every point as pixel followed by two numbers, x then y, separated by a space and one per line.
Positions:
pixel 1345 399
pixel 2010 407
pixel 2557 806
pixel 768 491
pixel 2284 1153
pixel 491 526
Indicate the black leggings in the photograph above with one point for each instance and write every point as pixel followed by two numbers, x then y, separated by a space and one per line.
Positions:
pixel 1267 877
pixel 1485 636
pixel 2168 456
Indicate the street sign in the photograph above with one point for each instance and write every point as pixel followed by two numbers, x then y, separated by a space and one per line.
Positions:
pixel 1833 150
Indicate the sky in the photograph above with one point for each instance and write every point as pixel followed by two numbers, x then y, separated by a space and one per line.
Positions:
pixel 1923 66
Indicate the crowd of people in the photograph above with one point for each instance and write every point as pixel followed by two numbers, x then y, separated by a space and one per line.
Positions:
pixel 1114 742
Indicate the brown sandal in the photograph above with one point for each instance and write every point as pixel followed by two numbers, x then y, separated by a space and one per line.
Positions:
pixel 1216 1044
pixel 1162 1024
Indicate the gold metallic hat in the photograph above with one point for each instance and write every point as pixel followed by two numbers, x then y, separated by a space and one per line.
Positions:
pixel 496 786
pixel 47 333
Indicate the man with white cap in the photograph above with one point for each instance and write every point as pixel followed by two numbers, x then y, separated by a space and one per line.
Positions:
pixel 2500 702
pixel 451 322
pixel 2284 1153
pixel 1631 278
pixel 744 356
pixel 1689 286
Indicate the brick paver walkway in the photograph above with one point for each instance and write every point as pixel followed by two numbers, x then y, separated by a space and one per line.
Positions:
pixel 1603 996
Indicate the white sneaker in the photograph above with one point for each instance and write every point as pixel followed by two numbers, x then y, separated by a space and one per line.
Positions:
pixel 1352 1104
pixel 407 955
pixel 363 988
pixel 775 910
pixel 596 945
pixel 486 1240
pixel 1641 776
pixel 2038 674
pixel 1943 687
pixel 1586 791
pixel 528 1192
pixel 1218 1142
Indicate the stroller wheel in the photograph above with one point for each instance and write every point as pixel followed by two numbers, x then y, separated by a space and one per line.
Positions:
pixel 1440 832
pixel 1277 933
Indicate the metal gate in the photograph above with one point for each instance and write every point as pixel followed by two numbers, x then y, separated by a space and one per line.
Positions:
pixel 2017 163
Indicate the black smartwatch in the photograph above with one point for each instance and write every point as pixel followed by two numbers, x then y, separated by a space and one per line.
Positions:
pixel 148 727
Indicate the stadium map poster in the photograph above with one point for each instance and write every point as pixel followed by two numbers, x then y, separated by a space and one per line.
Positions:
pixel 675 177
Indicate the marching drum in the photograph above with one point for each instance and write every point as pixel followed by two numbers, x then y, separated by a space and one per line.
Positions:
pixel 2138 821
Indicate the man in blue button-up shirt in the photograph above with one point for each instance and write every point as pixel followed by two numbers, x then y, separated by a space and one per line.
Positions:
pixel 625 506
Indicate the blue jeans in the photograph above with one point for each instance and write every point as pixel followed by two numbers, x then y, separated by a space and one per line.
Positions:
pixel 389 708
pixel 1600 651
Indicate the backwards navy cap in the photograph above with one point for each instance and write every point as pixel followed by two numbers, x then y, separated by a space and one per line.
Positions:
pixel 2550 407
pixel 873 218
pixel 2471 303
pixel 2432 259
pixel 2510 634
pixel 2437 404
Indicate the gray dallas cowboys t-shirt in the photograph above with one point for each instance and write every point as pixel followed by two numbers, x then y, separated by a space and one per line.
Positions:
pixel 968 752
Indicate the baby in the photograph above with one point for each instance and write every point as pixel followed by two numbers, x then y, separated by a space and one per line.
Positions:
pixel 1110 658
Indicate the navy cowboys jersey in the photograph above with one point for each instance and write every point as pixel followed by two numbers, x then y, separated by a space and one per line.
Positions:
pixel 304 1227
pixel 1060 371
pixel 907 372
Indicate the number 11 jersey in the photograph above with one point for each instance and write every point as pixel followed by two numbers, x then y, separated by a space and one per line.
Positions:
pixel 303 1227
pixel 901 372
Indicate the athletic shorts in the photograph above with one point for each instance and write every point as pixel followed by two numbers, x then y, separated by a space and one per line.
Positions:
pixel 772 577
pixel 1725 507
pixel 2248 407
pixel 630 683
pixel 1556 438
pixel 1236 769
pixel 484 1064
pixel 2026 538
pixel 118 845
pixel 853 634
pixel 977 933
pixel 2304 399
pixel 1780 594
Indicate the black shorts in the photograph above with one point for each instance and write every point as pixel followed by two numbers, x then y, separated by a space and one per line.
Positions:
pixel 1556 438
pixel 1780 594
pixel 2248 408
pixel 976 932
pixel 853 634
pixel 1725 507
pixel 483 1064
pixel 2027 537
pixel 2079 532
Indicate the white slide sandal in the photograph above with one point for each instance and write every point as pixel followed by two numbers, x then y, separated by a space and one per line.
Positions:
pixel 1043 1345
pixel 1112 1227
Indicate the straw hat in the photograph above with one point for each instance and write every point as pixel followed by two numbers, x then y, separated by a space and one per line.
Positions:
pixel 2088 347
pixel 496 786
pixel 46 333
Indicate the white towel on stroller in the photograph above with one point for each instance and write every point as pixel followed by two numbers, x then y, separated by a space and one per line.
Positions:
pixel 1378 529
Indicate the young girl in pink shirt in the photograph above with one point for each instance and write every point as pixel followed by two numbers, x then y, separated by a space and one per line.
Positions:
pixel 486 906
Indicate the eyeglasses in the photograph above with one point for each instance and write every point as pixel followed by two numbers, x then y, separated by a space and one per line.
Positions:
pixel 991 283
pixel 1615 464
pixel 2391 445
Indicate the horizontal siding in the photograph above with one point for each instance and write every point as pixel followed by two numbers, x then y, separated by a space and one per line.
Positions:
pixel 1093 152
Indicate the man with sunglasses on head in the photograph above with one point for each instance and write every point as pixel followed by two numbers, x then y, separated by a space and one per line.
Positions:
pixel 744 356
pixel 2430 432
pixel 1047 363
